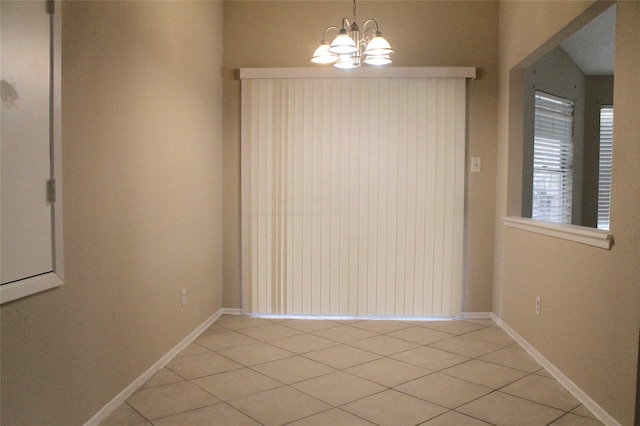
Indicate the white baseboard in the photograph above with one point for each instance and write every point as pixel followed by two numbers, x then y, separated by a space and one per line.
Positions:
pixel 129 390
pixel 578 393
pixel 232 311
pixel 475 315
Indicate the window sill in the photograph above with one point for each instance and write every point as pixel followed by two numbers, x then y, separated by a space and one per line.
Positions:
pixel 29 286
pixel 579 234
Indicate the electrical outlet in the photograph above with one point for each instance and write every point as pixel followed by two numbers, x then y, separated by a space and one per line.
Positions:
pixel 538 304
pixel 184 297
pixel 476 164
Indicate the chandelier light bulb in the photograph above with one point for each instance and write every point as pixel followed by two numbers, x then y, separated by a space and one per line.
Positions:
pixel 323 56
pixel 343 44
pixel 346 62
pixel 378 46
pixel 377 60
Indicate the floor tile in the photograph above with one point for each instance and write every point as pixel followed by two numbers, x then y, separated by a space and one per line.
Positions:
pixel 384 345
pixel 215 328
pixel 481 321
pixel 506 410
pixel 279 406
pixel 420 335
pixel 453 418
pixel 453 327
pixel 393 408
pixel 341 356
pixel 388 372
pixel 257 353
pixel 485 374
pixel 192 349
pixel 276 371
pixel 575 420
pixel 335 417
pixel 238 322
pixel 269 332
pixel 224 340
pixel 382 326
pixel 348 320
pixel 302 343
pixel 162 377
pixel 166 400
pixel 124 415
pixel 466 346
pixel 201 365
pixel 430 358
pixel 276 320
pixel 293 369
pixel 581 410
pixel 235 384
pixel 338 388
pixel 213 415
pixel 344 334
pixel 309 325
pixel 512 357
pixel 444 390
pixel 493 334
pixel 544 373
pixel 543 390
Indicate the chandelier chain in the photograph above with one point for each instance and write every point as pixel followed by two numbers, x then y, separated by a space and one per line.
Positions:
pixel 354 11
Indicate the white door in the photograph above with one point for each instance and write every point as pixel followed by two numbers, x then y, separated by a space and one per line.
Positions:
pixel 26 213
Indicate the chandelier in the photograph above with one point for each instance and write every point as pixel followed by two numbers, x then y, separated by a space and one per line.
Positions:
pixel 348 50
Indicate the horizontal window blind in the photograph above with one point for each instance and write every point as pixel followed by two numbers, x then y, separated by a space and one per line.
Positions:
pixel 604 174
pixel 552 159
pixel 353 196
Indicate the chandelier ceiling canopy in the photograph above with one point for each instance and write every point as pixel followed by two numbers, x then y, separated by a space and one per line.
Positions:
pixel 350 48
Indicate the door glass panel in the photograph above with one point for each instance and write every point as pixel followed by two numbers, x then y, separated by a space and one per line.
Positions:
pixel 26 214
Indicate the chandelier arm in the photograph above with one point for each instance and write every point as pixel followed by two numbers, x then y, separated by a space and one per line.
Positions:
pixel 364 27
pixel 324 34
pixel 348 26
pixel 368 34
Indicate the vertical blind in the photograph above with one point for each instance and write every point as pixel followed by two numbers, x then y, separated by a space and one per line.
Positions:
pixel 353 196
pixel 552 159
pixel 604 174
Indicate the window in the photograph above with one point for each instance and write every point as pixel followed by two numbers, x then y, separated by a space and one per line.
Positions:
pixel 31 209
pixel 604 185
pixel 552 159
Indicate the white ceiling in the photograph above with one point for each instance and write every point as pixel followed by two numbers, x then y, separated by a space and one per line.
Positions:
pixel 593 47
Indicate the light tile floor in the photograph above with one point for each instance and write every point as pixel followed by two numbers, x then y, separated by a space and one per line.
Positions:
pixel 257 371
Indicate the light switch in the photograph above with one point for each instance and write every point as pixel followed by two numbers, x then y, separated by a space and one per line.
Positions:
pixel 476 164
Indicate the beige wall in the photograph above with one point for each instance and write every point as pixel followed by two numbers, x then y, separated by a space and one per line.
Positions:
pixel 268 34
pixel 141 119
pixel 590 297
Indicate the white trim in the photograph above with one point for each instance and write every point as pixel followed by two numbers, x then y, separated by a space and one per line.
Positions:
pixel 475 315
pixel 58 247
pixel 129 390
pixel 397 72
pixel 578 393
pixel 579 234
pixel 39 283
pixel 348 317
pixel 29 286
pixel 231 311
